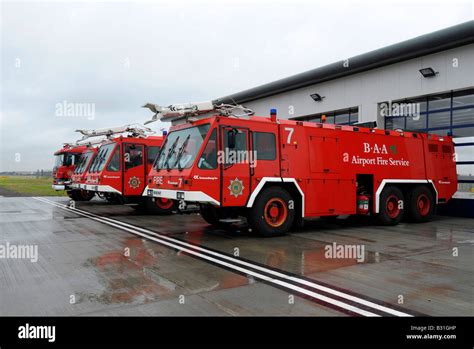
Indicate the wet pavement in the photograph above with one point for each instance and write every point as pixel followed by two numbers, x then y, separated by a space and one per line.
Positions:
pixel 86 267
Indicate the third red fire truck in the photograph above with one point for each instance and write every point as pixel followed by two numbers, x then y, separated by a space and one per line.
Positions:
pixel 277 172
pixel 118 171
pixel 66 162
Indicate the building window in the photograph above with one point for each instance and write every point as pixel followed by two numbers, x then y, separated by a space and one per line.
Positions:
pixel 348 116
pixel 444 114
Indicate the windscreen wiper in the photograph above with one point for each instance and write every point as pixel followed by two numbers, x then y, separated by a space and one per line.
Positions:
pixel 171 151
pixel 181 151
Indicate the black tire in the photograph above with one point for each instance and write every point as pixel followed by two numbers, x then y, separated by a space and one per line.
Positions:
pixel 209 214
pixel 390 212
pixel 80 195
pixel 420 204
pixel 260 216
pixel 158 207
pixel 113 198
pixel 85 195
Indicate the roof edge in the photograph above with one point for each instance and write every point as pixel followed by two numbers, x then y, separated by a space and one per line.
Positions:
pixel 441 40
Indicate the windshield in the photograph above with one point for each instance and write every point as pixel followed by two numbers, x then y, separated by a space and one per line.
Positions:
pixel 83 162
pixel 105 151
pixel 66 159
pixel 181 148
pixel 58 160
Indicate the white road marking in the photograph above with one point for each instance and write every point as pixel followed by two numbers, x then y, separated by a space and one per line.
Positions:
pixel 172 241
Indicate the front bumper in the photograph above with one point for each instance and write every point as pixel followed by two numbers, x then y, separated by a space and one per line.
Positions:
pixel 97 188
pixel 58 187
pixel 188 196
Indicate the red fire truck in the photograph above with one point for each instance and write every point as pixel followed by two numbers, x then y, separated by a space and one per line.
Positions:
pixel 79 175
pixel 118 170
pixel 278 172
pixel 66 161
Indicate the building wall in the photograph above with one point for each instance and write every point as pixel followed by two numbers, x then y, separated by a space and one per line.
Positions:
pixel 365 90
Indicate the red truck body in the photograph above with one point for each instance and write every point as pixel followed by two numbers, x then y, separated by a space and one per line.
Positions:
pixel 66 160
pixel 297 170
pixel 79 176
pixel 119 169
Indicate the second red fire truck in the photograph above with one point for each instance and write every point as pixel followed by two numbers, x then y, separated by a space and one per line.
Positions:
pixel 119 168
pixel 277 172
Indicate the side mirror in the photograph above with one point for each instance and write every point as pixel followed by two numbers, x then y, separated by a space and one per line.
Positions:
pixel 231 138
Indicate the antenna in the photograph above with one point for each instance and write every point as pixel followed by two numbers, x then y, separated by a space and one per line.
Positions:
pixel 190 111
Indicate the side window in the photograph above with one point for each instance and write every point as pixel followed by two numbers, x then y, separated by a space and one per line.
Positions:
pixel 77 158
pixel 264 144
pixel 133 155
pixel 68 160
pixel 152 153
pixel 114 164
pixel 208 159
pixel 240 148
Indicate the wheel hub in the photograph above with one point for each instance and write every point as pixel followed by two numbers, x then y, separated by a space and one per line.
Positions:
pixel 275 212
pixel 392 206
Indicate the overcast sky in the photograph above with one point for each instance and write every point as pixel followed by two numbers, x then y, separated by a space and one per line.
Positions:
pixel 118 56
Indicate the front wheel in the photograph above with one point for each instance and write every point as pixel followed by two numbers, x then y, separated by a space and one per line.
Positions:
pixel 273 212
pixel 160 206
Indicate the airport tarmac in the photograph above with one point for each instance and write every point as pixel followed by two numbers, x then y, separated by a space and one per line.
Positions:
pixel 105 259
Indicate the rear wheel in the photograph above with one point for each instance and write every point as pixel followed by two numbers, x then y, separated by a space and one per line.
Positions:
pixel 113 198
pixel 421 204
pixel 391 206
pixel 159 206
pixel 272 214
pixel 85 195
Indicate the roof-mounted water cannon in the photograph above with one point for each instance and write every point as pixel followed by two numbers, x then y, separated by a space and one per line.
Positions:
pixel 133 130
pixel 191 111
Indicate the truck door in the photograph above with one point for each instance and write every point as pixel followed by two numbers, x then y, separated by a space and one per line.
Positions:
pixel 133 169
pixel 235 166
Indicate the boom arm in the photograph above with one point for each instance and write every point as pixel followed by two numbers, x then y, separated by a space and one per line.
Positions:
pixel 191 110
pixel 135 130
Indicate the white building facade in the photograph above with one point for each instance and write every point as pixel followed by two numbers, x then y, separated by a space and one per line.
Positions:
pixel 432 75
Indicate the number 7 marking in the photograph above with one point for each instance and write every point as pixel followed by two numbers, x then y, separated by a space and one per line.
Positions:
pixel 290 133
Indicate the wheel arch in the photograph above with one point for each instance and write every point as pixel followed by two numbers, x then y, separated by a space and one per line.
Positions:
pixel 289 184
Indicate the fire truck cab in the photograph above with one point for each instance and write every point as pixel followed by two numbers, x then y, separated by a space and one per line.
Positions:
pixel 78 178
pixel 118 170
pixel 278 172
pixel 66 160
